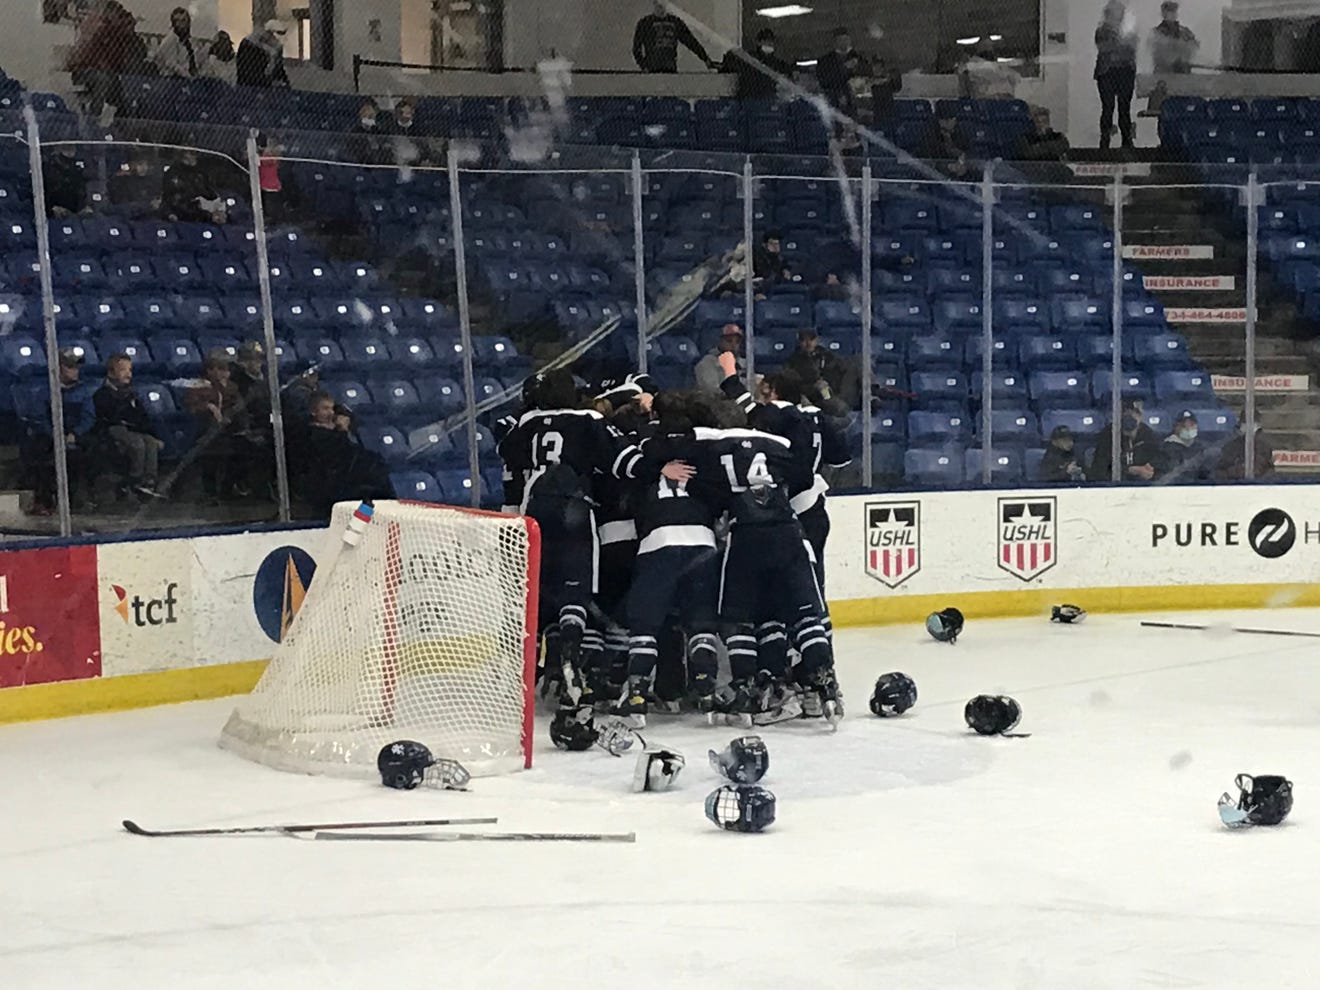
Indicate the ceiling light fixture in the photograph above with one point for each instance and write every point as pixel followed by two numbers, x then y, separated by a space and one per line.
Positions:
pixel 785 10
pixel 968 41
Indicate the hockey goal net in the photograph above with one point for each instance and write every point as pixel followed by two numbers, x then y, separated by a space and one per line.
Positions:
pixel 424 630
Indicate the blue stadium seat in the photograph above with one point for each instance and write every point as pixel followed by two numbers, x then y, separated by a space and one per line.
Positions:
pixel 456 484
pixel 296 317
pixel 927 427
pixel 926 352
pixel 910 314
pixel 367 355
pixel 1065 279
pixel 177 356
pixel 156 400
pixel 1005 466
pixel 1040 352
pixel 349 392
pixel 1060 390
pixel 1012 427
pixel 180 273
pixel 431 447
pixel 323 352
pixel 787 314
pixel 384 440
pixel 934 468
pixel 396 398
pixel 1187 387
pixel 939 389
pixel 1009 387
pixel 1164 350
pixel 79 274
pixel 1133 385
pixel 443 394
pixel 957 314
pixel 1079 314
pixel 946 281
pixel 1084 423
pixel 837 317
pixel 1215 423
pixel 1095 350
pixel 411 353
pixel 22 356
pixel 416 485
pixel 1143 315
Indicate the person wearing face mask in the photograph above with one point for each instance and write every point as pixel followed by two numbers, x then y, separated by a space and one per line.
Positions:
pixel 1187 455
pixel 758 71
pixel 1141 453
pixel 370 146
pixel 657 37
pixel 1060 462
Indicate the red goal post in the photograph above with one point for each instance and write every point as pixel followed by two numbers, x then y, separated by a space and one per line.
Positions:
pixel 425 630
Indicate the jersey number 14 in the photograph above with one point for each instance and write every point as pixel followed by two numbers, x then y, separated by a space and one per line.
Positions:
pixel 758 473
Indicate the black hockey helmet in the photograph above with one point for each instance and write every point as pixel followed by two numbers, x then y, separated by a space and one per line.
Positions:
pixel 744 761
pixel 1262 800
pixel 741 809
pixel 992 714
pixel 945 625
pixel 1067 614
pixel 894 694
pixel 573 731
pixel 403 764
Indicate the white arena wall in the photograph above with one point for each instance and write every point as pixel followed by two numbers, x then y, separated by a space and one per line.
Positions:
pixel 98 627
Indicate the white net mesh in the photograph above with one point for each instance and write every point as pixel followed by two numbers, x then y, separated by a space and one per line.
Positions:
pixel 418 632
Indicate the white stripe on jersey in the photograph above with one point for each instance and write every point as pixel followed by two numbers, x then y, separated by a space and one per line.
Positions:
pixel 677 536
pixel 534 413
pixel 707 433
pixel 618 531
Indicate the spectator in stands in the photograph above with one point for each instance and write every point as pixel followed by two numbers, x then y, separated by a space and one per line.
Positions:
pixel 248 373
pixel 187 193
pixel 768 264
pixel 836 69
pixel 1115 70
pixel 268 178
pixel 107 47
pixel 708 372
pixel 1172 46
pixel 180 54
pixel 327 463
pixel 945 148
pixel 1186 456
pixel 1042 151
pixel 758 71
pixel 1141 453
pixel 36 452
pixel 1233 456
pixel 657 37
pixel 223 446
pixel 825 377
pixel 410 146
pixel 260 58
pixel 122 420
pixel 1059 462
pixel 220 61
pixel 296 401
pixel 66 183
pixel 370 146
pixel 135 190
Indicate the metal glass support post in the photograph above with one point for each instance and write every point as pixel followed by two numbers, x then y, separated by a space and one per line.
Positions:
pixel 639 260
pixel 987 320
pixel 1253 246
pixel 268 326
pixel 48 320
pixel 749 300
pixel 465 328
pixel 868 372
pixel 1116 363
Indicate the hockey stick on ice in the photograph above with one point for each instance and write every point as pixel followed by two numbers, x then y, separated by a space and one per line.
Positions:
pixel 480 836
pixel 1237 629
pixel 136 829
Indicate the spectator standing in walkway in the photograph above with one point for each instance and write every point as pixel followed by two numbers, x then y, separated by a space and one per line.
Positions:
pixel 708 372
pixel 180 54
pixel 107 47
pixel 1115 71
pixel 657 37
pixel 1172 46
pixel 759 70
pixel 260 58
pixel 220 59
pixel 836 69
pixel 122 420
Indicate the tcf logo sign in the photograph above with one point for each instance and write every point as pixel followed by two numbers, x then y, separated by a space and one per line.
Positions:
pixel 147 611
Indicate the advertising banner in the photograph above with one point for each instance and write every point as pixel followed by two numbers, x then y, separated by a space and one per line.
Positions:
pixel 49 628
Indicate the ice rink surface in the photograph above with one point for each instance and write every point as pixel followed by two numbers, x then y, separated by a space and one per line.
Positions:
pixel 908 853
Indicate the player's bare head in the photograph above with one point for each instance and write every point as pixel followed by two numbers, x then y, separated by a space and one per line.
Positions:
pixel 728 415
pixel 671 407
pixel 784 386
pixel 556 390
pixel 630 419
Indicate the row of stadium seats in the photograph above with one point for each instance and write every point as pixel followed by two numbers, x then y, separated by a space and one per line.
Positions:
pixel 1018 428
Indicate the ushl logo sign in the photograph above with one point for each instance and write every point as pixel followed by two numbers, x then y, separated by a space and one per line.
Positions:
pixel 893 541
pixel 1028 535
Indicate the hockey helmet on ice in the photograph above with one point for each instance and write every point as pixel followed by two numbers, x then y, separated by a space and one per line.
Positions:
pixel 657 769
pixel 403 764
pixel 894 694
pixel 741 809
pixel 1262 800
pixel 945 625
pixel 992 714
pixel 573 731
pixel 744 761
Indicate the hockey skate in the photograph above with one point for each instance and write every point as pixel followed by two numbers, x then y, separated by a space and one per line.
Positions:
pixel 631 705
pixel 778 702
pixel 734 705
pixel 826 687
